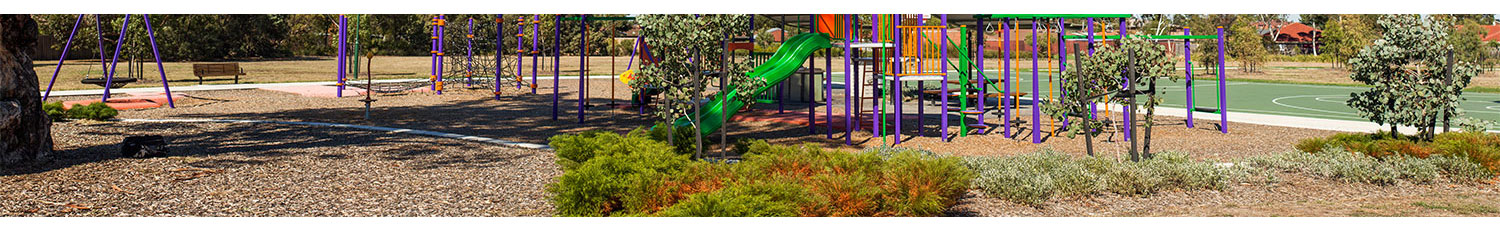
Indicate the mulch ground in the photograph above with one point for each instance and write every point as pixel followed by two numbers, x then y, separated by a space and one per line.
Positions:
pixel 276 170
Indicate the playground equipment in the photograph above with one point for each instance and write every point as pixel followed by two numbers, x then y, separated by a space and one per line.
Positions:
pixel 109 68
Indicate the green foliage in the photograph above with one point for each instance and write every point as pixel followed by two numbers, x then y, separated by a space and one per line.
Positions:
pixel 681 38
pixel 95 111
pixel 575 149
pixel 54 110
pixel 1097 78
pixel 1407 71
pixel 1035 178
pixel 682 137
pixel 652 180
pixel 1344 35
pixel 1470 124
pixel 1245 45
pixel 779 199
pixel 599 185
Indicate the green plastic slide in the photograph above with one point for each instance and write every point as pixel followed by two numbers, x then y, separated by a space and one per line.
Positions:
pixel 781 65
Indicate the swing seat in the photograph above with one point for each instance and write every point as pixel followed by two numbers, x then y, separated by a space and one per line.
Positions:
pixel 118 82
pixel 1206 110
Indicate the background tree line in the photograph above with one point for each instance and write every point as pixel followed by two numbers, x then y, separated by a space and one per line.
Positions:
pixel 210 37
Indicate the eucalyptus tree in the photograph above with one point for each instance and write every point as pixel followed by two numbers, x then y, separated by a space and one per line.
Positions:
pixel 1414 79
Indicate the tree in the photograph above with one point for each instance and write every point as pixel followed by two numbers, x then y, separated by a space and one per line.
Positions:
pixel 1466 39
pixel 1245 45
pixel 1096 77
pixel 1413 80
pixel 25 131
pixel 688 45
pixel 1344 35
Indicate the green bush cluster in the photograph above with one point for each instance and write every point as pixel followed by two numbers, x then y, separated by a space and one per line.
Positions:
pixel 1354 167
pixel 54 110
pixel 94 111
pixel 1035 178
pixel 607 174
pixel 1478 147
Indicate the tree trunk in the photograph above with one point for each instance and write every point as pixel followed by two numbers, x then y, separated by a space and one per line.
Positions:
pixel 25 131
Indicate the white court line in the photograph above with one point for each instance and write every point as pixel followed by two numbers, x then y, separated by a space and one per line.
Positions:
pixel 362 127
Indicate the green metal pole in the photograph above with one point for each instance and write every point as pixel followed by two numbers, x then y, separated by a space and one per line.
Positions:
pixel 354 30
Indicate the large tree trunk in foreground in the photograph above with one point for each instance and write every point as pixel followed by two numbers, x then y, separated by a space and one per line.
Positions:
pixel 25 131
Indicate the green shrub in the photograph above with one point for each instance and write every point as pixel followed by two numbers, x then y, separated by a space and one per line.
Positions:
pixel 682 139
pixel 645 177
pixel 1479 147
pixel 598 185
pixel 781 199
pixel 575 149
pixel 1470 124
pixel 55 110
pixel 1035 177
pixel 94 111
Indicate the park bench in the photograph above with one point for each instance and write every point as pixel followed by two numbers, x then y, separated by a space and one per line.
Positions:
pixel 218 69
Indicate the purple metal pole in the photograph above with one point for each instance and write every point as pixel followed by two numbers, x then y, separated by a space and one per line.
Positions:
pixel 875 108
pixel 109 78
pixel 979 69
pixel 812 65
pixel 921 62
pixel 441 29
pixel 1187 63
pixel 556 61
pixel 99 32
pixel 151 34
pixel 521 53
pixel 583 55
pixel 943 61
pixel 1006 77
pixel 1129 120
pixel 499 42
pixel 1062 61
pixel 896 80
pixel 432 68
pixel 848 89
pixel 64 56
pixel 536 50
pixel 1223 92
pixel 1036 110
pixel 1093 106
pixel 469 57
pixel 342 58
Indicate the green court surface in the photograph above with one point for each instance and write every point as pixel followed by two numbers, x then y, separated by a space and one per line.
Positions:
pixel 1301 100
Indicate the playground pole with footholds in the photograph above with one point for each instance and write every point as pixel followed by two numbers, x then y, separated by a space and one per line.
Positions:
pixel 151 35
pixel 109 77
pixel 342 60
pixel 432 55
pixel 828 88
pixel 943 62
pixel 807 78
pixel 63 57
pixel 521 53
pixel 1187 63
pixel 1223 102
pixel 921 36
pixel 1006 100
pixel 1129 108
pixel 1036 111
pixel 848 71
pixel 1062 61
pixel 441 31
pixel 1093 106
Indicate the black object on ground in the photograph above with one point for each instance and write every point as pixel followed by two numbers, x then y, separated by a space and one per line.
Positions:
pixel 144 146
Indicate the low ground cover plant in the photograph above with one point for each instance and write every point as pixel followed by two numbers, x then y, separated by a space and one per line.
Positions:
pixel 607 174
pixel 1037 177
pixel 1478 147
pixel 1350 166
pixel 94 111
